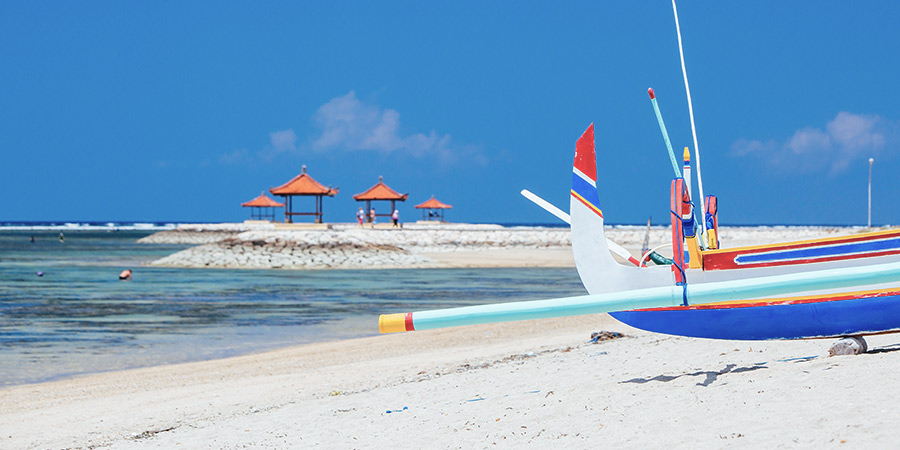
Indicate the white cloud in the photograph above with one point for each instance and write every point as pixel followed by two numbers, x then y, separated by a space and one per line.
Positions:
pixel 347 124
pixel 283 141
pixel 233 157
pixel 846 139
pixel 808 141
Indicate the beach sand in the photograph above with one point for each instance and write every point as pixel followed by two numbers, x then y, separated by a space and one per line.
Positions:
pixel 537 383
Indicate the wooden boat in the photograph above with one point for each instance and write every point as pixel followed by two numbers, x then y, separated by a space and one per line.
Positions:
pixel 860 310
pixel 834 287
pixel 848 286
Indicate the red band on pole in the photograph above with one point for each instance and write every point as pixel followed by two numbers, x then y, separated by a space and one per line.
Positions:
pixel 408 322
pixel 677 231
pixel 652 94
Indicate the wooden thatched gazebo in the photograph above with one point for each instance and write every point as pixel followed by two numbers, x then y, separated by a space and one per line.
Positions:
pixel 433 209
pixel 303 185
pixel 262 207
pixel 380 191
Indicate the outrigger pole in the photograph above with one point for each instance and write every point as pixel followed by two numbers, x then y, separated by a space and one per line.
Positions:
pixel 655 297
pixel 562 215
pixel 662 128
pixel 547 206
pixel 687 89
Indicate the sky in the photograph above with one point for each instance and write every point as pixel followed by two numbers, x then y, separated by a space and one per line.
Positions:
pixel 180 111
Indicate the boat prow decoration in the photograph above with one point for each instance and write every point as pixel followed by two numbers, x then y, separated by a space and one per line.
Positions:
pixel 598 270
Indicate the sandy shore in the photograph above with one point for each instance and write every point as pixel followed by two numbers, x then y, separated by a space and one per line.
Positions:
pixel 535 383
pixel 538 383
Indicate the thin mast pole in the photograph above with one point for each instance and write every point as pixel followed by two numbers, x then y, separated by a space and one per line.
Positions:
pixel 687 89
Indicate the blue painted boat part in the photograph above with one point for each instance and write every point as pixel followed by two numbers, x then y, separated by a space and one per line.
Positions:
pixel 858 316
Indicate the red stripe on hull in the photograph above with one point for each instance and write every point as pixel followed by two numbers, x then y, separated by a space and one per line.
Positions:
pixel 724 260
pixel 772 302
pixel 716 264
pixel 408 321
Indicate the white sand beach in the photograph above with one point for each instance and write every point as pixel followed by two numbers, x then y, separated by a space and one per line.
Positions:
pixel 537 383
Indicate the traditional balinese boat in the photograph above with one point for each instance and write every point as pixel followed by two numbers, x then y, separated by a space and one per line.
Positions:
pixel 833 287
pixel 844 286
pixel 859 310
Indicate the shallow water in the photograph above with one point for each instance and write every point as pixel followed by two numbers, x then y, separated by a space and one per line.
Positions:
pixel 79 318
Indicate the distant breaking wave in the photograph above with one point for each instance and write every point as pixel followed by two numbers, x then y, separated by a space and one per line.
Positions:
pixel 87 226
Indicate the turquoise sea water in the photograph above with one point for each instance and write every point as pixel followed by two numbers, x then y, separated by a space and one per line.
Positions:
pixel 79 318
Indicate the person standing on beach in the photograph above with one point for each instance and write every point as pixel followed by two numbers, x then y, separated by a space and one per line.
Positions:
pixel 360 216
pixel 396 217
pixel 372 217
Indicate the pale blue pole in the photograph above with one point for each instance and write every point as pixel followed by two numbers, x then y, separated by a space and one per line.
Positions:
pixel 664 296
pixel 662 128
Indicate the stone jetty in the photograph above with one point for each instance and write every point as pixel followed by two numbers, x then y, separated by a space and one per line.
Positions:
pixel 343 246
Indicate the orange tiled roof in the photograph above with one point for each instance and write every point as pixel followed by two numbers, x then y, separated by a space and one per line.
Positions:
pixel 263 201
pixel 303 184
pixel 433 204
pixel 380 191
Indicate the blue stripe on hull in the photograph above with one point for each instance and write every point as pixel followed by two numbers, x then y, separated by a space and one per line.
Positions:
pixel 789 321
pixel 820 252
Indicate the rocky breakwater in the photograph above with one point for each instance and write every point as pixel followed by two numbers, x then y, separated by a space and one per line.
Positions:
pixel 349 247
pixel 202 233
pixel 261 245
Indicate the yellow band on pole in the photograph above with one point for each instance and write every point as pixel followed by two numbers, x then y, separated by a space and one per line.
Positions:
pixel 392 323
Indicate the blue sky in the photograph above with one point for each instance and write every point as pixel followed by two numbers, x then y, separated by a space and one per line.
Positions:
pixel 182 110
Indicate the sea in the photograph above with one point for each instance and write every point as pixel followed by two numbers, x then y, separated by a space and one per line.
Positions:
pixel 64 312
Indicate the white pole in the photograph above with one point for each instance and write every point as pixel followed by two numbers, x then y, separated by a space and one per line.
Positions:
pixel 564 216
pixel 687 89
pixel 871 160
pixel 547 206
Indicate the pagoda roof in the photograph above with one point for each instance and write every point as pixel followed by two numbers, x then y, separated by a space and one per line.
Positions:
pixel 433 204
pixel 263 201
pixel 380 191
pixel 303 184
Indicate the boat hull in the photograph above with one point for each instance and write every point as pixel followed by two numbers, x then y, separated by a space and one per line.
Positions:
pixel 852 314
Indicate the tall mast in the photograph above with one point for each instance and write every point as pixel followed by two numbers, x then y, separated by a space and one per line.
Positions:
pixel 687 89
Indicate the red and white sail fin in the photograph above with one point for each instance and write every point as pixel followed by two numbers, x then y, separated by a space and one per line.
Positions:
pixel 598 270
